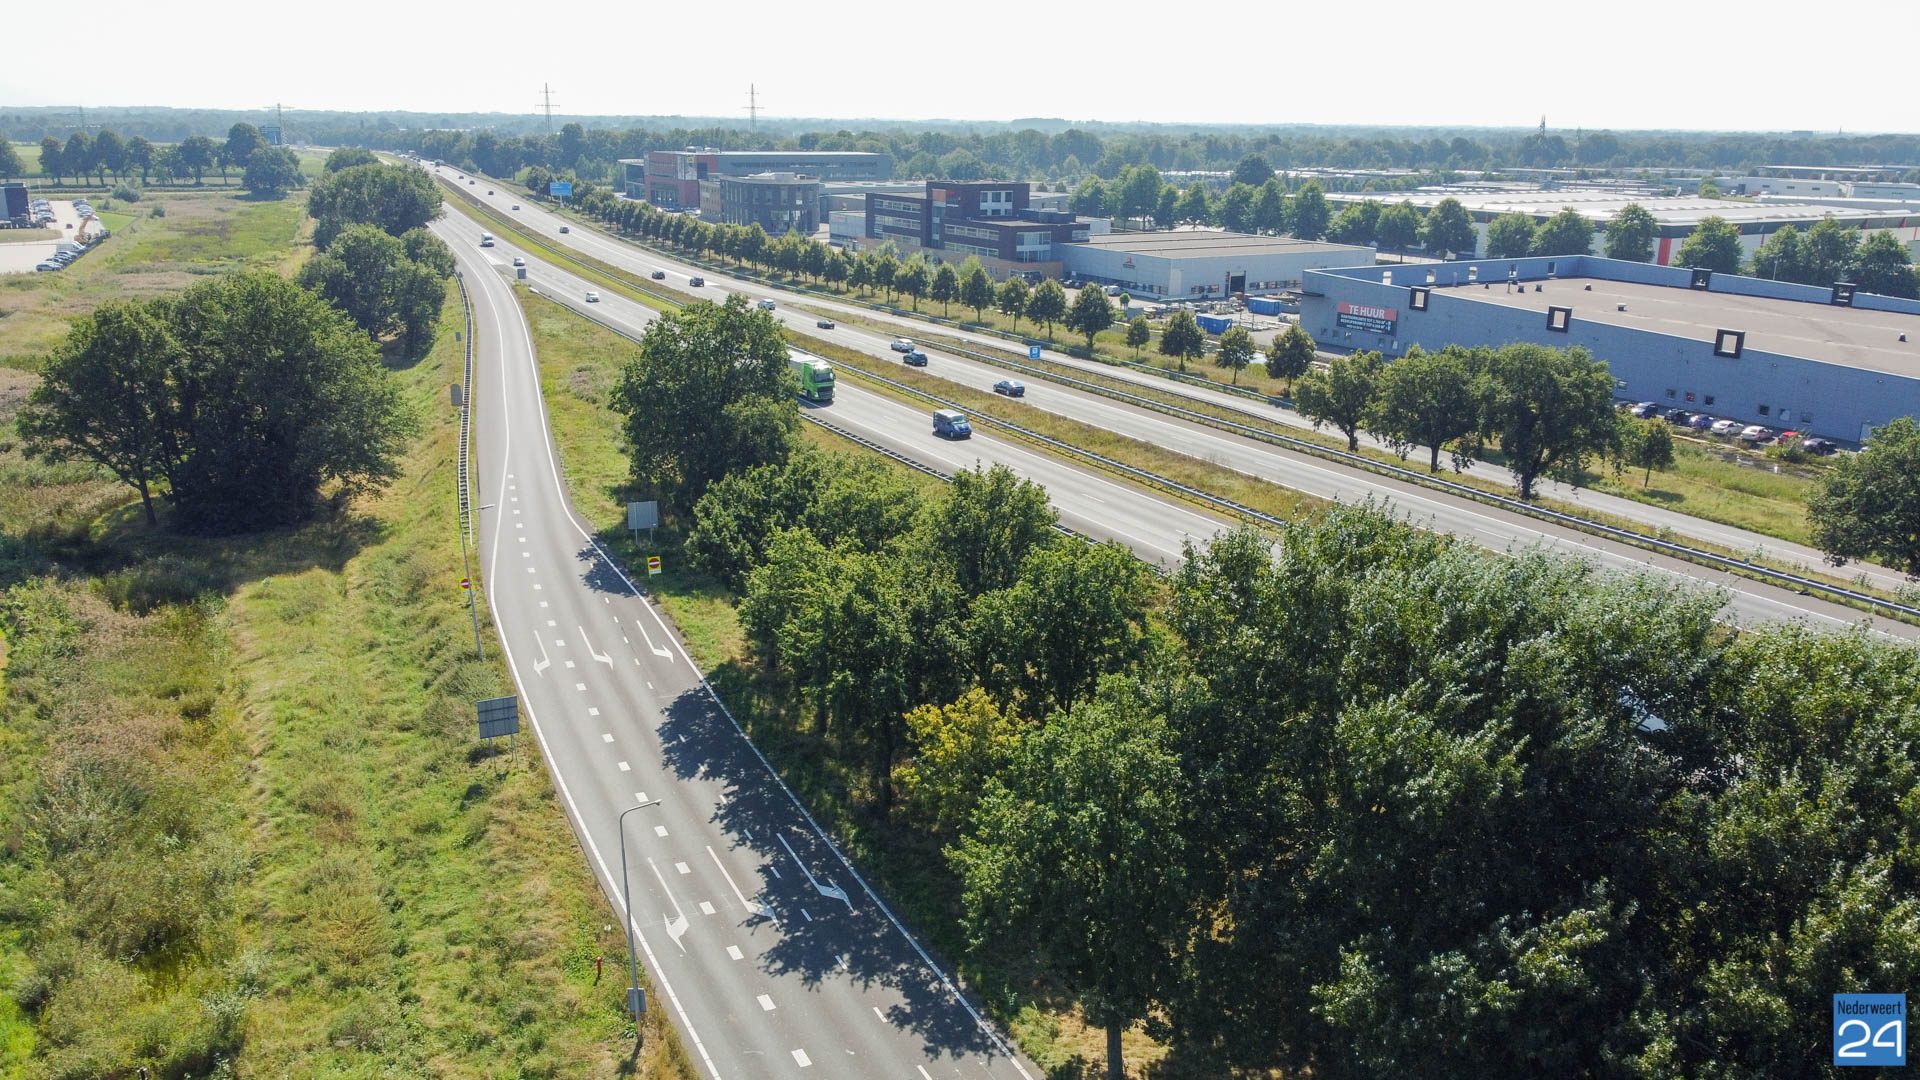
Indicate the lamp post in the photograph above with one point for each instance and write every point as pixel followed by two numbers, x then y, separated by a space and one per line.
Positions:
pixel 634 1001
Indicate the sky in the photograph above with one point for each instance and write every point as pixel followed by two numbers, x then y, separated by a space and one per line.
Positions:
pixel 1594 64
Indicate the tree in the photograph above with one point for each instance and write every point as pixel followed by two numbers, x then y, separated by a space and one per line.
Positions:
pixel 1235 352
pixel 1183 338
pixel 197 153
pixel 140 155
pixel 1631 234
pixel 53 159
pixel 265 399
pixel 1881 265
pixel 986 527
pixel 1399 225
pixel 1139 191
pixel 385 284
pixel 1074 614
pixel 78 155
pixel 1077 857
pixel 272 171
pixel 347 157
pixel 109 155
pixel 1235 209
pixel 1167 210
pixel 913 278
pixel 1091 198
pixel 1310 212
pixel 1252 171
pixel 1831 248
pixel 1868 506
pixel 1783 257
pixel 396 198
pixel 1342 395
pixel 1427 399
pixel 1645 445
pixel 976 290
pixel 1510 236
pixel 1291 356
pixel 10 163
pixel 945 287
pixel 1138 334
pixel 1012 300
pixel 1551 409
pixel 104 397
pixel 707 393
pixel 1448 230
pixel 957 750
pixel 1713 245
pixel 1269 210
pixel 885 271
pixel 1048 304
pixel 1357 223
pixel 1092 313
pixel 1565 233
pixel 242 140
pixel 1194 207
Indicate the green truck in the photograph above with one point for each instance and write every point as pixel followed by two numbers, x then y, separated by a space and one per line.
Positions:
pixel 816 379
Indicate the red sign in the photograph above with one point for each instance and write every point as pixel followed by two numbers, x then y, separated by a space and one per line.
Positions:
pixel 1374 320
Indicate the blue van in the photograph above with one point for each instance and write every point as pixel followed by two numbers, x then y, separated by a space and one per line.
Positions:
pixel 951 424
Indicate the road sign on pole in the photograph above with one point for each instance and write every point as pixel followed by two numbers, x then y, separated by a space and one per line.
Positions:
pixel 498 716
pixel 653 565
pixel 1033 352
pixel 466 583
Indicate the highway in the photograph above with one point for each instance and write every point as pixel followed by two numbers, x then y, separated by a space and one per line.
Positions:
pixel 643 262
pixel 1094 504
pixel 767 948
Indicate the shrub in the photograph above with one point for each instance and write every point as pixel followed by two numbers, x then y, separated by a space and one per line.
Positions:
pixel 157 211
pixel 126 193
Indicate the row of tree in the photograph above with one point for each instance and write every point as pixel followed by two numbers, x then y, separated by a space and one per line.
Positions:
pixel 377 262
pixel 1359 800
pixel 82 155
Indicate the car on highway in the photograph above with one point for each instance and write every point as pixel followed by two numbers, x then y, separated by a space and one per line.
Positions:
pixel 592 297
pixel 489 191
pixel 518 261
pixel 825 324
pixel 916 358
pixel 696 282
pixel 766 305
pixel 469 183
pixel 1010 387
pixel 1724 427
pixel 658 275
pixel 486 239
pixel 951 424
pixel 566 228
pixel 902 345
pixel 516 206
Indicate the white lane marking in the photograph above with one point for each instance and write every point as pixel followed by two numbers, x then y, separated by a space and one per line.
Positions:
pixel 606 736
pixel 580 686
pixel 683 868
pixel 878 1015
pixel 828 890
pixel 526 554
pixel 751 905
pixel 531 570
pixel 924 1074
pixel 639 796
pixel 550 622
pixel 559 643
pixel 592 711
pixel 657 650
pixel 569 663
pixel 801 1059
pixel 522 540
pixel 734 952
pixel 660 830
pixel 706 907
pixel 676 926
pixel 560 781
pixel 541 665
pixel 543 603
pixel 808 914
pixel 588 642
pixel 771 869
pixel 766 1003
pixel 624 767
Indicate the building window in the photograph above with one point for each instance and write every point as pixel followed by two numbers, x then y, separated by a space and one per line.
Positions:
pixel 1669 393
pixel 1709 399
pixel 1763 410
pixel 1728 343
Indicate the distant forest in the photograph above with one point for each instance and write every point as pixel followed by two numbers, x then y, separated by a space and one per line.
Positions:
pixel 1030 149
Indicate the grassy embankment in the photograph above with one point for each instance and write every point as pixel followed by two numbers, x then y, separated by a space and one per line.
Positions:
pixel 580 363
pixel 248 765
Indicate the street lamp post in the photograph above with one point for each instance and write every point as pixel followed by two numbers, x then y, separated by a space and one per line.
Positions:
pixel 635 1003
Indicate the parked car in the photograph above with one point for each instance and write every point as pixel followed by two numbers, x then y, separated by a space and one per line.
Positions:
pixel 1113 290
pixel 658 275
pixel 1818 446
pixel 1724 427
pixel 902 345
pixel 916 358
pixel 1700 421
pixel 951 424
pixel 592 297
pixel 1010 387
pixel 1756 434
pixel 1677 416
pixel 825 324
pixel 1647 409
pixel 45 266
pixel 696 282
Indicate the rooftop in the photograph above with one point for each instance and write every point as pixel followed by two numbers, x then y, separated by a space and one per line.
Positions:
pixel 1600 206
pixel 1853 337
pixel 1198 243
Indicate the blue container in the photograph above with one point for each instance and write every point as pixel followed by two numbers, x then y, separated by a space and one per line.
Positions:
pixel 1214 324
pixel 1263 305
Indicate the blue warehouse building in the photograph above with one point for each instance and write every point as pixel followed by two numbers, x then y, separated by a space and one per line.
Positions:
pixel 1831 361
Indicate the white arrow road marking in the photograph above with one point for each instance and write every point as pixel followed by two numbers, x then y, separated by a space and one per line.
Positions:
pixel 827 890
pixel 657 650
pixel 676 926
pixel 751 905
pixel 541 665
pixel 602 657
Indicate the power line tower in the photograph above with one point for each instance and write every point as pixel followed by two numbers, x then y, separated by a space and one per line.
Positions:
pixel 546 101
pixel 753 108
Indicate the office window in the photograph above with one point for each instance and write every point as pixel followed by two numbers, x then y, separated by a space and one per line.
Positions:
pixel 1709 399
pixel 1763 410
pixel 1670 393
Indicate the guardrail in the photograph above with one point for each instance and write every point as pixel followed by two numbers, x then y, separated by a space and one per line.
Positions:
pixel 463 472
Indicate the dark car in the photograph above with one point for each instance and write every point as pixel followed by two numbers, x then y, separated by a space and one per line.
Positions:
pixel 696 282
pixel 1647 409
pixel 1010 387
pixel 916 358
pixel 658 275
pixel 1818 446
pixel 1677 416
pixel 825 324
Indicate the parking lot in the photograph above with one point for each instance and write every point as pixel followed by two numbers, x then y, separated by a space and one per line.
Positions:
pixel 21 258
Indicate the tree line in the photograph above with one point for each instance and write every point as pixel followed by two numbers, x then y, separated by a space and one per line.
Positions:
pixel 1355 800
pixel 264 168
pixel 248 400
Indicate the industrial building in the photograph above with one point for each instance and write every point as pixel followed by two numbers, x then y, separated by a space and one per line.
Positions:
pixel 672 177
pixel 1197 264
pixel 1677 216
pixel 1826 360
pixel 777 202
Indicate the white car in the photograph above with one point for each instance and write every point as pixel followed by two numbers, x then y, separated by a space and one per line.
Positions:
pixel 902 345
pixel 1756 433
pixel 766 305
pixel 518 261
pixel 1724 427
pixel 592 297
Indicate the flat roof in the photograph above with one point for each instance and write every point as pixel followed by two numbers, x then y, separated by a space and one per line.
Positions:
pixel 1852 337
pixel 1600 206
pixel 1197 242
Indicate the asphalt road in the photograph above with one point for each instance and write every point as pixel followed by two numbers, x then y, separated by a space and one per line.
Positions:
pixel 765 945
pixel 1154 527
